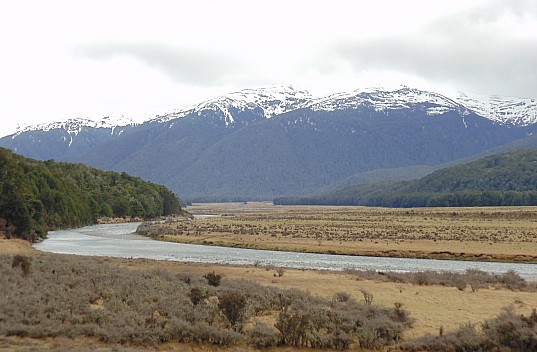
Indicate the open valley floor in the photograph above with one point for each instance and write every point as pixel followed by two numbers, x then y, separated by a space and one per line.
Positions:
pixel 436 307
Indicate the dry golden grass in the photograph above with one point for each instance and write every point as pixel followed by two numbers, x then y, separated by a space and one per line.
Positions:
pixel 14 246
pixel 503 234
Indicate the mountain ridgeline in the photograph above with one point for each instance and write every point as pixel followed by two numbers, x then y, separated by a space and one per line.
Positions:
pixel 498 180
pixel 37 196
pixel 258 144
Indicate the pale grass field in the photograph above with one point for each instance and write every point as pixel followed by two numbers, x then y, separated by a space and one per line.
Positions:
pixel 504 234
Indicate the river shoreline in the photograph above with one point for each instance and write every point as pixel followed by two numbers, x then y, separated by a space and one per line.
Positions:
pixel 493 234
pixel 118 240
pixel 498 258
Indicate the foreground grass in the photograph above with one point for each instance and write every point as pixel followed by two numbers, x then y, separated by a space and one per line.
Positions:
pixel 77 303
pixel 494 234
pixel 51 296
pixel 96 303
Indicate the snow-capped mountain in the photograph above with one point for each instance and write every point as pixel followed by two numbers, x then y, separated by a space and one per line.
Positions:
pixel 281 99
pixel 75 125
pixel 277 141
pixel 382 99
pixel 505 110
pixel 272 100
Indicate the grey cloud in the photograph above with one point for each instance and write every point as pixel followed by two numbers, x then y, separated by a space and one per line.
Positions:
pixel 463 53
pixel 193 66
pixel 492 10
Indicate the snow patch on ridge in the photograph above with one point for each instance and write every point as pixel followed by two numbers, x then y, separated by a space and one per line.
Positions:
pixel 74 126
pixel 504 110
pixel 272 100
pixel 382 99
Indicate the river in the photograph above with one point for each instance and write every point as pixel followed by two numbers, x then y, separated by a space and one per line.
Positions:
pixel 119 240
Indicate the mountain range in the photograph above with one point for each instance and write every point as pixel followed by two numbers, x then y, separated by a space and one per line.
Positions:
pixel 280 141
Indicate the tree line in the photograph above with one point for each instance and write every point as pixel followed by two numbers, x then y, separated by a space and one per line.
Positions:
pixel 507 179
pixel 37 196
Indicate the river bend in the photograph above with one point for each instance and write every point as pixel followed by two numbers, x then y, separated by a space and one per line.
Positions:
pixel 119 240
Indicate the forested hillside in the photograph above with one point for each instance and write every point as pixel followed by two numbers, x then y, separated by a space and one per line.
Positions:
pixel 497 180
pixel 37 196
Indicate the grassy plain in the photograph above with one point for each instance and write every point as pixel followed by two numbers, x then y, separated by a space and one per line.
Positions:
pixel 494 234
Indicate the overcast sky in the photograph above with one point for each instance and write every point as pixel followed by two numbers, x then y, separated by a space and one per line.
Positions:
pixel 66 59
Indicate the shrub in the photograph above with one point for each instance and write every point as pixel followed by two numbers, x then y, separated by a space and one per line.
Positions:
pixel 77 296
pixel 368 296
pixel 341 297
pixel 197 294
pixel 279 272
pixel 213 279
pixel 261 335
pixel 512 280
pixel 464 339
pixel 300 322
pixel 517 333
pixel 233 305
pixel 508 332
pixel 23 262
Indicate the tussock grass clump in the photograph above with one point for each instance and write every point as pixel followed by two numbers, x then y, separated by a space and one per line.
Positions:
pixel 77 297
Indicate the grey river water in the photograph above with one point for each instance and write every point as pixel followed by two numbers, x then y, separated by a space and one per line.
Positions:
pixel 119 240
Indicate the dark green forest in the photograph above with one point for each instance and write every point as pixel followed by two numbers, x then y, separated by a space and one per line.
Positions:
pixel 506 179
pixel 37 196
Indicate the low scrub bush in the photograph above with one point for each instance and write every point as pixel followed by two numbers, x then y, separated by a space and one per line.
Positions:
pixel 77 296
pixel 507 333
pixel 23 262
pixel 262 335
pixel 474 278
pixel 213 279
pixel 233 305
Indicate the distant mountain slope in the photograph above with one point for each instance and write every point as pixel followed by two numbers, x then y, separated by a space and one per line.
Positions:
pixel 64 140
pixel 269 142
pixel 37 196
pixel 503 179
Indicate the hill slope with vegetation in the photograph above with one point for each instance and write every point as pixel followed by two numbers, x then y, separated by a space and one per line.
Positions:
pixel 37 196
pixel 498 180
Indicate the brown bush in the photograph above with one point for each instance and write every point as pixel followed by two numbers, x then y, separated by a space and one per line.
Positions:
pixel 23 262
pixel 213 279
pixel 233 305
pixel 197 294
